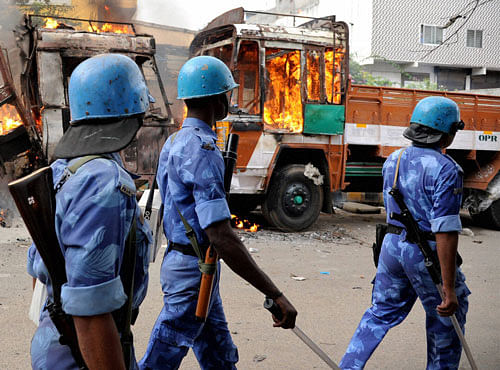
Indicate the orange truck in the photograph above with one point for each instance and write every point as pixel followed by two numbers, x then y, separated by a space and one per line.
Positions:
pixel 307 133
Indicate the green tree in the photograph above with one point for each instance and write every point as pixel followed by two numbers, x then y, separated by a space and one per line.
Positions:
pixel 424 85
pixel 360 76
pixel 43 7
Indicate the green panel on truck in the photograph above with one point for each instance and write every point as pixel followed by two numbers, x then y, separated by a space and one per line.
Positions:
pixel 324 119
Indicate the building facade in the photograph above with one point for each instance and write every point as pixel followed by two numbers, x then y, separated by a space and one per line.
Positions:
pixel 454 44
pixel 446 44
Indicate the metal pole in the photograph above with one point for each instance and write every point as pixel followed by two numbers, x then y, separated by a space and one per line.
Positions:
pixel 321 354
pixel 459 332
pixel 276 311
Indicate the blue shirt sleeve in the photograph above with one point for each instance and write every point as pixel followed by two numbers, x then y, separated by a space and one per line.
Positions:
pixel 93 232
pixel 447 199
pixel 30 265
pixel 202 171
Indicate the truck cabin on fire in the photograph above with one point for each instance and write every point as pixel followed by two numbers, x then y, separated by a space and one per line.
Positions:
pixel 287 75
pixel 288 110
pixel 53 47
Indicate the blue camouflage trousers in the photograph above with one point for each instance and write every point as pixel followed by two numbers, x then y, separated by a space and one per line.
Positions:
pixel 176 329
pixel 401 278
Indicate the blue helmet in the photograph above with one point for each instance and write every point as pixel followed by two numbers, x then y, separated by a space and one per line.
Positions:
pixel 204 76
pixel 107 86
pixel 439 113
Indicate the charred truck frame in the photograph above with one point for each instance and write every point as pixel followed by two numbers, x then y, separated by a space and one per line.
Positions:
pixel 305 132
pixel 52 48
pixel 288 159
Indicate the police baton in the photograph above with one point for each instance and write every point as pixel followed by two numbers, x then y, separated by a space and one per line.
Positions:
pixel 272 307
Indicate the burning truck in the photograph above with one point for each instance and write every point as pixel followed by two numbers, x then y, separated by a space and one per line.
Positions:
pixel 306 132
pixel 31 123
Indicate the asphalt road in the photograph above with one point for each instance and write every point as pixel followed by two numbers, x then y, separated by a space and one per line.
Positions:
pixel 333 257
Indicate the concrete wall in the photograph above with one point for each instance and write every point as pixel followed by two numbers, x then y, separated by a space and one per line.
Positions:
pixel 396 32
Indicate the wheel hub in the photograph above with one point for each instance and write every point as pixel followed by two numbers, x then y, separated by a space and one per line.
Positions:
pixel 296 199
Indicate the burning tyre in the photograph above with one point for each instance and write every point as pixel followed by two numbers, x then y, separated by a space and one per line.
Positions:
pixel 293 201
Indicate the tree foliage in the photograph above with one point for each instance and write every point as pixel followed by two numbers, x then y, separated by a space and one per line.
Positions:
pixel 361 76
pixel 43 7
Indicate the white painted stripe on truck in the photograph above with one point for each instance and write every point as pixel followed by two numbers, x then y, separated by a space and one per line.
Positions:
pixel 251 180
pixel 366 134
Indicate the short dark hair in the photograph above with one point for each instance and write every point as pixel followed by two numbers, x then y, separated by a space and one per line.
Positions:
pixel 197 103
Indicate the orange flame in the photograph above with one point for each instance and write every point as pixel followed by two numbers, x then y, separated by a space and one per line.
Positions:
pixel 2 218
pixel 283 105
pixel 97 28
pixel 313 81
pixel 331 67
pixel 9 119
pixel 106 8
pixel 111 28
pixel 243 224
pixel 50 23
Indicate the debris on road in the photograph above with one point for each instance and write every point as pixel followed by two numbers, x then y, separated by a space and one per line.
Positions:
pixel 259 358
pixel 360 208
pixel 297 278
pixel 467 232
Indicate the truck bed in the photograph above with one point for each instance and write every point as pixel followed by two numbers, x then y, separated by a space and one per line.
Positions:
pixel 378 116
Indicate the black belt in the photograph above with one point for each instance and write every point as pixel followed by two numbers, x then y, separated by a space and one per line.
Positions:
pixel 393 229
pixel 186 248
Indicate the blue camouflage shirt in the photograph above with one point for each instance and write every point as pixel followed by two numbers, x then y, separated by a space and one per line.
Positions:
pixel 431 184
pixel 93 218
pixel 191 178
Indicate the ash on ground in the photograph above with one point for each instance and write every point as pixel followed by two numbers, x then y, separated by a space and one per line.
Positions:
pixel 324 230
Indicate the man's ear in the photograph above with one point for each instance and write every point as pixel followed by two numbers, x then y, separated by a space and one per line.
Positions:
pixel 223 103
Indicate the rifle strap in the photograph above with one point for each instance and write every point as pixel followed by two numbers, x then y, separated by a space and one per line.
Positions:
pixel 123 316
pixel 205 268
pixel 71 170
pixel 394 185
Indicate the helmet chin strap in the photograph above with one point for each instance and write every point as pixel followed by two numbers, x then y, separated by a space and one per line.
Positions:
pixel 225 101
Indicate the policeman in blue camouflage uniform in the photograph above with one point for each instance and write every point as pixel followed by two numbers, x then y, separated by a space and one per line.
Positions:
pixel 95 208
pixel 191 182
pixel 431 183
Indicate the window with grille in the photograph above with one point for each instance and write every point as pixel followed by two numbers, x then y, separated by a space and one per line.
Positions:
pixel 475 38
pixel 431 34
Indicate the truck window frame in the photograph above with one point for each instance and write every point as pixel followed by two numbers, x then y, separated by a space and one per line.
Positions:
pixel 258 89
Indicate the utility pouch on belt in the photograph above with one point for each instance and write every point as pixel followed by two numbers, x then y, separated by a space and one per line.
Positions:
pixel 380 231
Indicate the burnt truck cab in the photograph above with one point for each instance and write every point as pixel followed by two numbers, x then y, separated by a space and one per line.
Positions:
pixel 288 110
pixel 53 47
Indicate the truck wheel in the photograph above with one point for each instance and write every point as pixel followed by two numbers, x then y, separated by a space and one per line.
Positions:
pixel 490 217
pixel 293 201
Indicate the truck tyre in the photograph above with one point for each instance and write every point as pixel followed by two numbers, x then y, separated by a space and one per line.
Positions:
pixel 293 201
pixel 489 218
